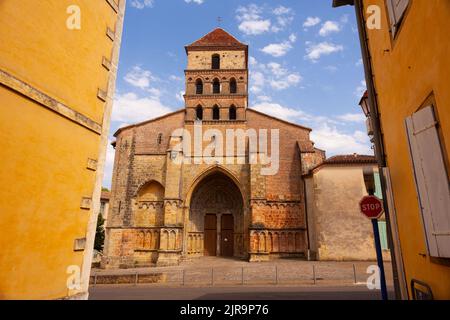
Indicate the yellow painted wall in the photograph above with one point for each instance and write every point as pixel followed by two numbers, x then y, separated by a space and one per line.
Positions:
pixel 407 70
pixel 43 172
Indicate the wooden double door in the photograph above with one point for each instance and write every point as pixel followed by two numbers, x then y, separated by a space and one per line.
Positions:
pixel 225 238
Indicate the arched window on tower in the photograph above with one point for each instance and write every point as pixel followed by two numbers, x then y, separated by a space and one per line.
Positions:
pixel 199 86
pixel 199 113
pixel 216 112
pixel 216 86
pixel 232 112
pixel 215 61
pixel 233 85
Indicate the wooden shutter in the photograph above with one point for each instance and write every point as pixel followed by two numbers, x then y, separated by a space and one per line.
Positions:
pixel 431 180
pixel 396 10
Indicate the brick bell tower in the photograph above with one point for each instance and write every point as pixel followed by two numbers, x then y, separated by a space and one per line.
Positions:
pixel 216 79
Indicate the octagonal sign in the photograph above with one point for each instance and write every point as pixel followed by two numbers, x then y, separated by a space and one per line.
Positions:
pixel 371 207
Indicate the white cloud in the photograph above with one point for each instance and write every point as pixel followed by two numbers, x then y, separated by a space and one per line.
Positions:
pixel 331 69
pixel 179 96
pixel 109 164
pixel 325 134
pixel 284 17
pixel 334 141
pixel 141 4
pixel 359 62
pixel 264 98
pixel 274 75
pixel 194 1
pixel 292 38
pixel 315 51
pixel 138 77
pixel 257 78
pixel 131 108
pixel 311 22
pixel 279 111
pixel 329 27
pixel 251 22
pixel 277 69
pixel 277 49
pixel 252 61
pixel 175 78
pixel 281 10
pixel 352 117
pixel 255 27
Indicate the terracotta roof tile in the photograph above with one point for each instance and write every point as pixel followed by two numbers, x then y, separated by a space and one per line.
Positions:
pixel 350 158
pixel 346 159
pixel 217 38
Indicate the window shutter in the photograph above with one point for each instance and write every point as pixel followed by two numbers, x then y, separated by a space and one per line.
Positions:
pixel 431 180
pixel 396 10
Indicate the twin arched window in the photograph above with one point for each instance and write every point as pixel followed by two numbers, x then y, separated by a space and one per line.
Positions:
pixel 232 114
pixel 216 86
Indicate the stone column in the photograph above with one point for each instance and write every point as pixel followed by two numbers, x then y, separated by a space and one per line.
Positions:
pixel 173 205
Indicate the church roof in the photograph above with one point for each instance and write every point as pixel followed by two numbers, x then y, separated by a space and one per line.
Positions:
pixel 216 38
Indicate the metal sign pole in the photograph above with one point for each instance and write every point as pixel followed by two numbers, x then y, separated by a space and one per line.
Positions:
pixel 376 234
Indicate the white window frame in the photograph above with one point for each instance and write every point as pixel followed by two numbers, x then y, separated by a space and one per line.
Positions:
pixel 396 12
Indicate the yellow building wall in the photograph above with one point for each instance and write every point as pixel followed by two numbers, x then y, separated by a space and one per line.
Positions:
pixel 407 70
pixel 44 156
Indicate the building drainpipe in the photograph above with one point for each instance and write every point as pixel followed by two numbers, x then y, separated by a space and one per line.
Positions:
pixel 376 125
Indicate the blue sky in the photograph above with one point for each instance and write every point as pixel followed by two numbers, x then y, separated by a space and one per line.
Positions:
pixel 305 63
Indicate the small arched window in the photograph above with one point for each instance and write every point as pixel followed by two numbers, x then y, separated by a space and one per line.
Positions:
pixel 232 112
pixel 216 113
pixel 215 61
pixel 216 86
pixel 199 86
pixel 199 113
pixel 233 85
pixel 159 138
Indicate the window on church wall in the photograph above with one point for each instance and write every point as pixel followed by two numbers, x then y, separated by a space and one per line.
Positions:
pixel 232 113
pixel 199 113
pixel 199 86
pixel 216 113
pixel 233 86
pixel 216 86
pixel 215 63
pixel 159 139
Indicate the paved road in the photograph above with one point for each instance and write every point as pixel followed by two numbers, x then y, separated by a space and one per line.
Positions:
pixel 146 292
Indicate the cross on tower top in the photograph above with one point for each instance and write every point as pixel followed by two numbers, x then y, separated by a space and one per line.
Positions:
pixel 219 21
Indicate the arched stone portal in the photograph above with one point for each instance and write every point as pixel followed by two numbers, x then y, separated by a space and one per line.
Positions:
pixel 216 218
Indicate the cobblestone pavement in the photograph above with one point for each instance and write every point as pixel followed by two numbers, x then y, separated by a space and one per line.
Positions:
pixel 146 292
pixel 207 271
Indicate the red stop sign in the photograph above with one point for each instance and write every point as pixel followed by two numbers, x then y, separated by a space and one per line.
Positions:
pixel 371 207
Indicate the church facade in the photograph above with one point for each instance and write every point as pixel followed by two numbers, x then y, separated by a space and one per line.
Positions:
pixel 170 201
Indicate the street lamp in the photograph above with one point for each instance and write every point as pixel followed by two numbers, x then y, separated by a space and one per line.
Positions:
pixel 364 103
